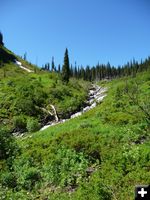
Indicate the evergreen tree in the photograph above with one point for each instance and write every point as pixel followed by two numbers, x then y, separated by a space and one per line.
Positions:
pixel 25 56
pixel 75 72
pixel 48 66
pixel 108 70
pixel 1 39
pixel 59 68
pixel 53 65
pixel 65 68
pixel 71 71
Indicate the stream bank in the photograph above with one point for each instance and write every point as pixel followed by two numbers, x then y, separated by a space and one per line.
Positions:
pixel 96 95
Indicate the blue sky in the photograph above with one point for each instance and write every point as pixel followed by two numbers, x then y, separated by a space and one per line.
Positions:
pixel 92 30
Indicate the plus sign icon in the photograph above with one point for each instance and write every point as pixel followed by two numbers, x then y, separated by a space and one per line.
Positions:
pixel 142 192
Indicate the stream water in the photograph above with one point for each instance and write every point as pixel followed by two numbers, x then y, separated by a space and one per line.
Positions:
pixel 96 95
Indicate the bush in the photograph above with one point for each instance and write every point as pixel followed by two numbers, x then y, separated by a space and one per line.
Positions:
pixel 9 180
pixel 93 190
pixel 32 125
pixel 85 124
pixel 8 146
pixel 82 141
pixel 24 105
pixel 31 176
pixel 19 123
pixel 67 168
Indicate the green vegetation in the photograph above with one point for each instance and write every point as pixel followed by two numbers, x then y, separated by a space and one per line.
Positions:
pixel 1 39
pixel 101 155
pixel 8 146
pixel 20 100
pixel 65 68
pixel 27 96
pixel 6 56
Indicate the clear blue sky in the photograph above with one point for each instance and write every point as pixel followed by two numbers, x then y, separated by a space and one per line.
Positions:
pixel 92 30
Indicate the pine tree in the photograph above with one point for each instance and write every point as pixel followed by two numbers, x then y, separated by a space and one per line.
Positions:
pixel 25 56
pixel 53 65
pixel 1 39
pixel 71 71
pixel 59 68
pixel 48 66
pixel 75 72
pixel 65 68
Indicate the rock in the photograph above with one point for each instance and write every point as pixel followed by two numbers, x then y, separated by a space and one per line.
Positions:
pixel 90 170
pixel 91 92
pixel 99 99
pixel 93 105
pixel 76 115
pixel 96 94
pixel 63 120
pixel 86 109
pixel 45 127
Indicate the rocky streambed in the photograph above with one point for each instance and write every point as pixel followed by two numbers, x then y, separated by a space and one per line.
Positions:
pixel 96 95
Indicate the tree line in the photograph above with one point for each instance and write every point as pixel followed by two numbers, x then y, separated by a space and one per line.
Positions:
pixel 94 73
pixel 98 72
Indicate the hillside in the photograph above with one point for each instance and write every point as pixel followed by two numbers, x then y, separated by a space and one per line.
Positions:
pixel 102 154
pixel 75 100
pixel 27 92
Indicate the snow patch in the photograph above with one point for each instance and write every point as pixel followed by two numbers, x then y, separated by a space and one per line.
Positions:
pixel 22 67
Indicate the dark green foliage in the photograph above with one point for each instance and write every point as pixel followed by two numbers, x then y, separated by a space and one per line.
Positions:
pixel 29 178
pixel 19 123
pixel 101 71
pixel 6 56
pixel 8 146
pixel 9 179
pixel 53 65
pixel 1 39
pixel 32 125
pixel 76 140
pixel 95 189
pixel 66 68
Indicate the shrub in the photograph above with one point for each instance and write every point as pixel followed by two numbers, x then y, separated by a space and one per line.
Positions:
pixel 9 180
pixel 85 124
pixel 32 125
pixel 67 168
pixel 8 146
pixel 30 177
pixel 93 190
pixel 24 105
pixel 19 123
pixel 82 141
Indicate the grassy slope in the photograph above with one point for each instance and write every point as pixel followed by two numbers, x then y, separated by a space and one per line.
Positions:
pixel 112 139
pixel 41 88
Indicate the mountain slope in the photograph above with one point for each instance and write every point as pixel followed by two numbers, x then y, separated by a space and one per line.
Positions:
pixel 102 154
pixel 9 67
pixel 5 55
pixel 27 92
